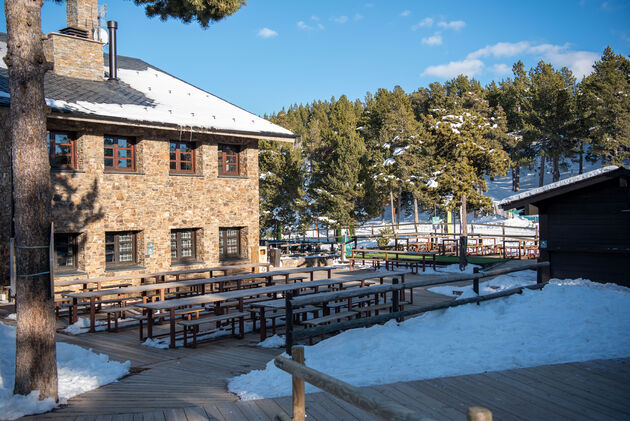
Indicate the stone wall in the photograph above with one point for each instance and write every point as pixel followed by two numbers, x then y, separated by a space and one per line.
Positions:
pixel 75 57
pixel 82 14
pixel 90 202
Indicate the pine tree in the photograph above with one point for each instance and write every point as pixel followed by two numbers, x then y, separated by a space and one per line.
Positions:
pixel 606 108
pixel 335 184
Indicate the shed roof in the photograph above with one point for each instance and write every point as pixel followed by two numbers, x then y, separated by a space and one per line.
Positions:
pixel 539 194
pixel 145 94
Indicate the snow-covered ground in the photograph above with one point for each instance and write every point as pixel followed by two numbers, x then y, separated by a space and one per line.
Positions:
pixel 567 321
pixel 79 370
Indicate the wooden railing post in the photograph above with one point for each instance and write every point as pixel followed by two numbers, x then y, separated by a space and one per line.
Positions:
pixel 299 399
pixel 289 322
pixel 477 413
pixel 396 298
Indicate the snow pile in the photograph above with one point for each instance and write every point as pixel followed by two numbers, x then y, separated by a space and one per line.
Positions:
pixel 275 341
pixel 568 321
pixel 500 283
pixel 79 370
pixel 11 316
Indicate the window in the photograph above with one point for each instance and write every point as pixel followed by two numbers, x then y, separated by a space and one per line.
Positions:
pixel 65 252
pixel 120 248
pixel 61 149
pixel 229 243
pixel 228 160
pixel 183 245
pixel 119 153
pixel 182 155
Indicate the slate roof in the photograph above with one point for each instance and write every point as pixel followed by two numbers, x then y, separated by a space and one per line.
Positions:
pixel 117 99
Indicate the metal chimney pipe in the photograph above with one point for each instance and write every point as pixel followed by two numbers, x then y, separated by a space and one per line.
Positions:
pixel 112 25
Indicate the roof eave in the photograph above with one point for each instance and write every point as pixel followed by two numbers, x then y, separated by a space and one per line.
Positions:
pixel 537 198
pixel 90 118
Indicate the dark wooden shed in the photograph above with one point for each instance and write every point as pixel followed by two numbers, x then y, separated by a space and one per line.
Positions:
pixel 584 224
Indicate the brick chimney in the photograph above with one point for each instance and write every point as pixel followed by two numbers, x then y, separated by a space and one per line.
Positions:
pixel 74 51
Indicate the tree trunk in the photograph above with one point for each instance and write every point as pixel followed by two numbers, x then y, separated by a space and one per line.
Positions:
pixel 556 168
pixel 516 178
pixel 463 239
pixel 581 152
pixel 391 209
pixel 36 364
pixel 398 208
pixel 541 180
pixel 415 210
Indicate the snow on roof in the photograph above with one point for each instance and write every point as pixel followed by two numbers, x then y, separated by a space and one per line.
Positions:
pixel 557 184
pixel 158 98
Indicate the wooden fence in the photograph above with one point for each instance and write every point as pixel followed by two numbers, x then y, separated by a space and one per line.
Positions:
pixel 365 399
pixel 300 301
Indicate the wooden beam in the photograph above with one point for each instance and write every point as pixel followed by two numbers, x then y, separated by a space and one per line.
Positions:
pixel 361 398
pixel 299 399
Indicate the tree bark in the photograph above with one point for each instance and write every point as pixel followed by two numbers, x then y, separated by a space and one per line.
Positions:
pixel 36 365
pixel 556 168
pixel 581 152
pixel 516 178
pixel 398 208
pixel 391 209
pixel 463 239
pixel 415 210
pixel 541 180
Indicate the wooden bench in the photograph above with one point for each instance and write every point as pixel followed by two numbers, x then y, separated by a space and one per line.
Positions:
pixel 331 318
pixel 192 326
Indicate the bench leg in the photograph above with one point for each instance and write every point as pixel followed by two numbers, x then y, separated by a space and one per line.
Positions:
pixel 185 336
pixel 195 331
pixel 241 330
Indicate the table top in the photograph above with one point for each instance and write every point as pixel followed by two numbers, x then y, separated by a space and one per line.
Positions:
pixel 413 253
pixel 191 282
pixel 157 274
pixel 252 292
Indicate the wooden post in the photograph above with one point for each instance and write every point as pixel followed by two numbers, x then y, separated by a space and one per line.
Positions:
pixel 299 399
pixel 543 273
pixel 396 299
pixel 477 413
pixel 476 282
pixel 289 322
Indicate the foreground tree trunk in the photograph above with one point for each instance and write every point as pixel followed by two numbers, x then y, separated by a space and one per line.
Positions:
pixel 516 178
pixel 36 365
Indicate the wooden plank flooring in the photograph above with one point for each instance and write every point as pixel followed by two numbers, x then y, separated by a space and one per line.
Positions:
pixel 191 384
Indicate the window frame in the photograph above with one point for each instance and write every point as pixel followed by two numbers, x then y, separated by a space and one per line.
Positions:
pixel 222 163
pixel 50 140
pixel 178 161
pixel 134 249
pixel 178 248
pixel 223 249
pixel 115 156
pixel 73 244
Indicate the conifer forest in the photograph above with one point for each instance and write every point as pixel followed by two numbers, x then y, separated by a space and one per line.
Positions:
pixel 436 147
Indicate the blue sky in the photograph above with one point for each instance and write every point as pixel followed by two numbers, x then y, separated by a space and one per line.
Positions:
pixel 275 53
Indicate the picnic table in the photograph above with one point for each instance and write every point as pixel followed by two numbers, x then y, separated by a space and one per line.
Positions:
pixel 160 288
pixel 159 276
pixel 171 305
pixel 280 304
pixel 396 257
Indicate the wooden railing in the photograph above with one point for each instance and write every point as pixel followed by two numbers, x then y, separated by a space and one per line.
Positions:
pixel 361 398
pixel 365 399
pixel 300 301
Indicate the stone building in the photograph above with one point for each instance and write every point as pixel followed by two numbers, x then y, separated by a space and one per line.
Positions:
pixel 149 172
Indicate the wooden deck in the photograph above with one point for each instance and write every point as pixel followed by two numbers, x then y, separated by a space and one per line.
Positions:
pixel 191 384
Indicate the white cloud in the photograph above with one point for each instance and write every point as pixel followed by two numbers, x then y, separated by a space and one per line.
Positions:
pixel 267 33
pixel 306 27
pixel 426 22
pixel 501 69
pixel 358 16
pixel 314 18
pixel 405 13
pixel 454 68
pixel 580 62
pixel 368 5
pixel 500 49
pixel 454 24
pixel 435 39
pixel 340 19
